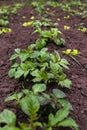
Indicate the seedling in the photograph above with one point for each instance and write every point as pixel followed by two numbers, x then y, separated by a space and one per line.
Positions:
pixel 32 17
pixel 66 27
pixel 43 22
pixel 41 65
pixel 5 30
pixel 53 35
pixel 52 3
pixel 80 11
pixel 67 17
pixel 71 52
pixel 39 5
pixel 28 23
pixel 33 101
pixel 6 11
pixel 84 29
pixel 3 23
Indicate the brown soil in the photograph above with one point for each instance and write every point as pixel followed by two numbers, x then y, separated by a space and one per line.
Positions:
pixel 21 37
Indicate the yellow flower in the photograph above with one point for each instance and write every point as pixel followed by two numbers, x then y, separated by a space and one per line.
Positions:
pixel 5 30
pixel 67 17
pixel 24 17
pixel 32 17
pixel 58 19
pixel 75 52
pixel 66 27
pixel 28 23
pixel 67 51
pixel 71 52
pixel 84 29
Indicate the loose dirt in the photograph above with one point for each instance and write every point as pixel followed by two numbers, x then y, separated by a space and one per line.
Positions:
pixel 21 37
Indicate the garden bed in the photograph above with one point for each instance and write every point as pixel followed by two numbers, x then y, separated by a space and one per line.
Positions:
pixel 22 37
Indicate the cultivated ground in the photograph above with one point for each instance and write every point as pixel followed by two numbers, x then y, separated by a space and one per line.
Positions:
pixel 21 37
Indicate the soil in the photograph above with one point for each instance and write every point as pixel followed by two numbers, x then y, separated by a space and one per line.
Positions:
pixel 21 37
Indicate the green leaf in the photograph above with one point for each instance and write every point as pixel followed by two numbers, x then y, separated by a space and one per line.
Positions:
pixel 22 125
pixel 53 58
pixel 35 73
pixel 65 104
pixel 35 54
pixel 15 65
pixel 54 67
pixel 69 122
pixel 24 105
pixel 40 43
pixel 23 55
pixel 35 124
pixel 14 97
pixel 58 93
pixel 58 58
pixel 39 88
pixel 26 92
pixel 30 105
pixel 64 63
pixel 8 117
pixel 46 34
pixel 44 99
pixel 51 120
pixel 26 73
pixel 28 65
pixel 58 42
pixel 33 104
pixel 9 128
pixel 65 83
pixel 19 73
pixel 61 115
pixel 13 57
pixel 11 72
pixel 17 50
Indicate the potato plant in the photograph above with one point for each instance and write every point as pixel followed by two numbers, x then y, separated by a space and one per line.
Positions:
pixel 53 35
pixel 40 64
pixel 33 101
pixel 40 67
pixel 6 11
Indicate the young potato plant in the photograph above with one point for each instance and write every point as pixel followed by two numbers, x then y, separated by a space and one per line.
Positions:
pixel 43 22
pixel 53 35
pixel 80 8
pixel 15 8
pixel 6 11
pixel 41 65
pixel 33 101
pixel 39 5
pixel 53 3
